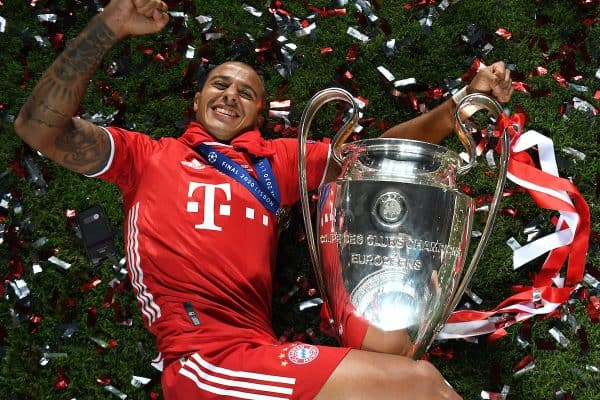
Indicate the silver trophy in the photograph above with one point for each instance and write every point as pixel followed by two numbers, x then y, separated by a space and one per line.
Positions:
pixel 392 231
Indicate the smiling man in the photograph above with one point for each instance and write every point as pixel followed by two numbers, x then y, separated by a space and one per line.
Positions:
pixel 201 226
pixel 230 101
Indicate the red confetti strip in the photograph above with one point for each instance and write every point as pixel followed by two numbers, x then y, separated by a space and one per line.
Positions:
pixel 440 352
pixel 583 339
pixel 385 26
pixel 504 33
pixel 104 380
pixel 560 79
pixel 353 52
pixel 109 297
pixel 62 380
pixel 92 316
pixel 34 323
pixel 88 286
pixel 545 344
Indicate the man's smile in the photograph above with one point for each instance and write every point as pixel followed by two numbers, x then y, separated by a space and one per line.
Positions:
pixel 226 111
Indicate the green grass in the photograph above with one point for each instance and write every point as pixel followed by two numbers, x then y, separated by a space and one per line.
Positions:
pixel 156 99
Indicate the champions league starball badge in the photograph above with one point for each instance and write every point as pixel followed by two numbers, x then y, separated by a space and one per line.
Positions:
pixel 303 353
pixel 212 157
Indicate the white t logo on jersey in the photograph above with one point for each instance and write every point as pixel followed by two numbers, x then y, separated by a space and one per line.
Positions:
pixel 209 203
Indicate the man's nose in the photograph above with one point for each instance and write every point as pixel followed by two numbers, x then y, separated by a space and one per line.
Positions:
pixel 230 93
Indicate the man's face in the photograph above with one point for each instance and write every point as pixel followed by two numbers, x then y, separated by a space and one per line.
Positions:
pixel 230 101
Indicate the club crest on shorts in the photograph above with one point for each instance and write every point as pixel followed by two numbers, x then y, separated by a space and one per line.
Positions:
pixel 303 353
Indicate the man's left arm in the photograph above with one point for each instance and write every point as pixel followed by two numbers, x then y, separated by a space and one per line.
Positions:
pixel 436 124
pixel 439 122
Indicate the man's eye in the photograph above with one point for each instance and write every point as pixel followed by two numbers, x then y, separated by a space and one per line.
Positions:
pixel 219 85
pixel 246 95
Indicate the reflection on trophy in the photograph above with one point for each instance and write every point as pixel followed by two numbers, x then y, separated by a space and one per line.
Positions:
pixel 392 231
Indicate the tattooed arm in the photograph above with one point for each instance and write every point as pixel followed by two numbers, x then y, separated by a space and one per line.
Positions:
pixel 46 121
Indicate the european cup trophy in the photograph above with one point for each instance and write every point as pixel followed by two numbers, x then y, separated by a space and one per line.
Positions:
pixel 392 231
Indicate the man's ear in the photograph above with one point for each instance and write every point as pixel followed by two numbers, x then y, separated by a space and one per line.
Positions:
pixel 196 101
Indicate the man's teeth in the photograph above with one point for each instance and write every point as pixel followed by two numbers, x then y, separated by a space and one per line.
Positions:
pixel 224 111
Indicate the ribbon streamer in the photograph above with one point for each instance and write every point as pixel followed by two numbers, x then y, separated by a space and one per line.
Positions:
pixel 570 240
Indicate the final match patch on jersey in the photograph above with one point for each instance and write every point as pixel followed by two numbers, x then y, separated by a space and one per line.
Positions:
pixel 303 353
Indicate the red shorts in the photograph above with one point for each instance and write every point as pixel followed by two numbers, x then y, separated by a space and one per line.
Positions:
pixel 248 371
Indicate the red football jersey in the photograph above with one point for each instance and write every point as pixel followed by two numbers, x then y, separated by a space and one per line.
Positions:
pixel 200 247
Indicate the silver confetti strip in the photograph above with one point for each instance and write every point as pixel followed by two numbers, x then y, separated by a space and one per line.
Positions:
pixel 584 106
pixel 213 35
pixel 573 152
pixel 444 4
pixel 178 14
pixel 2 24
pixel 355 33
pixel 568 317
pixel 35 266
pixel 404 82
pixel 252 10
pixel 559 337
pixel 592 368
pixel 478 300
pixel 139 381
pixel 35 174
pixel 5 201
pixel 310 303
pixel 115 391
pixel 278 113
pixel 46 357
pixel 40 242
pixel 579 88
pixel 591 281
pixel 99 342
pixel 203 19
pixel 19 286
pixel 525 369
pixel 47 18
pixel 69 331
pixel 523 343
pixel 386 73
pixel 306 31
pixel 489 158
pixel 536 295
pixel 513 244
pixel 190 52
pixel 60 263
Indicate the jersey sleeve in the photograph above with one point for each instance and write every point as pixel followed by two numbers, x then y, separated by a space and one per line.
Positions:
pixel 287 172
pixel 129 151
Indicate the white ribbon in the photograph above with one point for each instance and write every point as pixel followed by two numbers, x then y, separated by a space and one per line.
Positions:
pixel 561 237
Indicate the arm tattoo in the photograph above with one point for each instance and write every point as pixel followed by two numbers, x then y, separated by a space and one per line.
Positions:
pixel 84 148
pixel 53 102
pixel 83 58
pixel 58 94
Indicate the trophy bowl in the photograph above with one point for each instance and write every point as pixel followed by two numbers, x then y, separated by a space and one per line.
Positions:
pixel 392 231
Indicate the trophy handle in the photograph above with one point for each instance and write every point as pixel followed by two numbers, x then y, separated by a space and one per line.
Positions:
pixel 314 104
pixel 468 106
pixel 465 108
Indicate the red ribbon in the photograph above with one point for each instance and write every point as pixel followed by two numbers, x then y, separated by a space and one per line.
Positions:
pixel 522 165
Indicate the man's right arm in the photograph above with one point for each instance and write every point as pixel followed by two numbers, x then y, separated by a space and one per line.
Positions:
pixel 46 120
